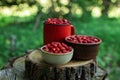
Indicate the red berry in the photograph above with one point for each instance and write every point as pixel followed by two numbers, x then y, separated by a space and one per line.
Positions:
pixel 62 48
pixel 59 51
pixel 56 21
pixel 69 48
pixel 96 40
pixel 64 51
pixel 54 49
pixel 82 39
pixel 54 44
pixel 57 47
pixel 48 45
pixel 45 48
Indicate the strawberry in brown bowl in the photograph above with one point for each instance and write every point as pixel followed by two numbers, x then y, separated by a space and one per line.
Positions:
pixel 85 47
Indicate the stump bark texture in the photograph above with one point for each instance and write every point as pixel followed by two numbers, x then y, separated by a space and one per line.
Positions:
pixel 37 69
pixel 31 67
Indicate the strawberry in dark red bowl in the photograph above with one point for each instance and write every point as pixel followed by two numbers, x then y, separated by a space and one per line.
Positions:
pixel 85 47
pixel 56 53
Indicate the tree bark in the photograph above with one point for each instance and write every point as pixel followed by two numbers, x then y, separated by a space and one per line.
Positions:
pixel 37 69
pixel 31 65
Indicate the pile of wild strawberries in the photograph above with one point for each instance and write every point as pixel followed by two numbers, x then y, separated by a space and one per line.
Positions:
pixel 57 47
pixel 82 39
pixel 56 21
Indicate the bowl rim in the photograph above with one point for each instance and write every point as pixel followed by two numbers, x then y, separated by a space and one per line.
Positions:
pixel 97 43
pixel 60 54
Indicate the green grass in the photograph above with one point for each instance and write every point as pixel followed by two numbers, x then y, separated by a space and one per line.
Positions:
pixel 26 39
pixel 106 29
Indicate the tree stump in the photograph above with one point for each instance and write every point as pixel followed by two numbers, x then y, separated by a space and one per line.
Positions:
pixel 75 70
pixel 37 69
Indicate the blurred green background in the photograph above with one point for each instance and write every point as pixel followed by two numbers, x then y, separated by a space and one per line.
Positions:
pixel 21 26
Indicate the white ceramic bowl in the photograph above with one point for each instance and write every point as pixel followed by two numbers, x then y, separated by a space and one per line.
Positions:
pixel 56 58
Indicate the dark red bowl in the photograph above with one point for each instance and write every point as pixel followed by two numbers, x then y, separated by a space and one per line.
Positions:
pixel 84 51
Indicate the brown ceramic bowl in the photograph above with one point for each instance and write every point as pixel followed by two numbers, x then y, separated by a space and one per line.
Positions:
pixel 84 51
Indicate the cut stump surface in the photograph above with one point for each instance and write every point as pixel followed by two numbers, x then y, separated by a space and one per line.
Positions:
pixel 31 67
pixel 37 69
